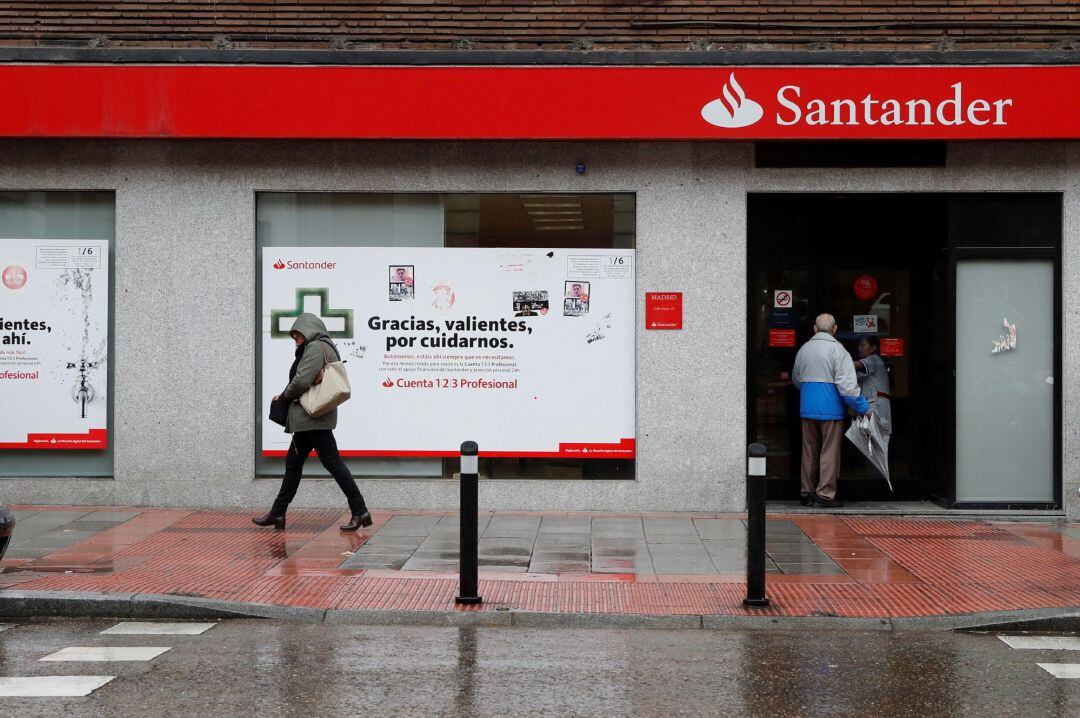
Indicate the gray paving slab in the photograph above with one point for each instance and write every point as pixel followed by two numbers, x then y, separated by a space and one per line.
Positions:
pixel 421 564
pixel 818 569
pixel 437 555
pixel 84 525
pixel 681 558
pixel 496 564
pixel 559 567
pixel 617 528
pixel 720 529
pixel 566 525
pixel 558 540
pixel 119 516
pixel 53 539
pixel 512 527
pixel 627 566
pixel 670 526
pixel 409 526
pixel 374 561
pixel 381 539
pixel 808 555
pixel 452 524
pixel 20 552
pixel 654 538
pixel 556 556
pixel 621 551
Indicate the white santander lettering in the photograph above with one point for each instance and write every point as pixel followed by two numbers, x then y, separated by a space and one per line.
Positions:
pixel 788 104
pixel 1000 105
pixel 951 111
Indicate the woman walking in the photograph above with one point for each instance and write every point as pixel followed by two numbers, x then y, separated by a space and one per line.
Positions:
pixel 313 349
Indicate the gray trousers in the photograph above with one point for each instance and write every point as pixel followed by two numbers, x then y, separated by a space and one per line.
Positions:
pixel 821 441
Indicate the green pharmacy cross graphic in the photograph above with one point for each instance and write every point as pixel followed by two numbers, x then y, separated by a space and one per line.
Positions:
pixel 324 313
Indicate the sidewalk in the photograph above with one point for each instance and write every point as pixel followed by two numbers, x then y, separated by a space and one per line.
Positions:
pixel 632 564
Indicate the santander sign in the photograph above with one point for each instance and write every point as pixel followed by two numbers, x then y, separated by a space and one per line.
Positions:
pixel 947 106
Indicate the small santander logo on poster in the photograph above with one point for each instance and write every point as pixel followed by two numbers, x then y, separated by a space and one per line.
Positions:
pixel 279 264
pixel 14 277
pixel 733 109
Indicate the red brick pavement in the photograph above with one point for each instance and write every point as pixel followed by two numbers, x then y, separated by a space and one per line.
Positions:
pixel 894 567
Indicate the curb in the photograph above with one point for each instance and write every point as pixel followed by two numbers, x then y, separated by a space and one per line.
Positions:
pixel 74 604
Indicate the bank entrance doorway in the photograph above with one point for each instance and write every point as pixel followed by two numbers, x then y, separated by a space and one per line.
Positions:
pixel 960 293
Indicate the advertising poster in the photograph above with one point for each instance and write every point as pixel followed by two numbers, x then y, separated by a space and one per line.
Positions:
pixel 54 323
pixel 528 352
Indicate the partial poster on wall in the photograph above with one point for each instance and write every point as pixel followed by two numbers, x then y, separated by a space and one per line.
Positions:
pixel 54 340
pixel 519 350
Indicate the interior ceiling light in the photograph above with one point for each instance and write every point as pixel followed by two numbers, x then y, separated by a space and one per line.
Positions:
pixel 546 212
pixel 559 227
pixel 546 197
pixel 548 205
pixel 551 220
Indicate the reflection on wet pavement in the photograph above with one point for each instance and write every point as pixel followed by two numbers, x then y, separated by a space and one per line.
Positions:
pixel 286 669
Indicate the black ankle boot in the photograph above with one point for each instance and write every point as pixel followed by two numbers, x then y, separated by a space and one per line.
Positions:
pixel 357 521
pixel 278 522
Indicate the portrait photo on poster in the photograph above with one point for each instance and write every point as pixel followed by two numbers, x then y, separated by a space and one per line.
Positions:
pixel 577 290
pixel 576 299
pixel 402 287
pixel 530 303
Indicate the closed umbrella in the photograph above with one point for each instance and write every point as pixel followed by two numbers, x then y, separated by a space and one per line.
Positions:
pixel 868 436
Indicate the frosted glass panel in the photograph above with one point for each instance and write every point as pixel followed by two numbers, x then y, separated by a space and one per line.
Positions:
pixel 1005 398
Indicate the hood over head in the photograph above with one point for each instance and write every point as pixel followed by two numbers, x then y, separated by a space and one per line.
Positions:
pixel 310 326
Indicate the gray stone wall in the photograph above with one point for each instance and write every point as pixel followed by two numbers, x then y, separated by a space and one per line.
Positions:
pixel 184 427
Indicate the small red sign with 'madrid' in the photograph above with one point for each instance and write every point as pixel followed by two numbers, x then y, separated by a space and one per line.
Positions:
pixel 781 337
pixel 892 347
pixel 663 310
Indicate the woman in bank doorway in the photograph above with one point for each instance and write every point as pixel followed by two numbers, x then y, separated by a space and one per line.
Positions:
pixel 873 375
pixel 311 432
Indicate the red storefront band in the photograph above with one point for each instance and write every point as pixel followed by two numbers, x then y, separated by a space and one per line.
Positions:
pixel 543 103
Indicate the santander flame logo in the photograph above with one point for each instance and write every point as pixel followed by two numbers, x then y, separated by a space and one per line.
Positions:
pixel 388 383
pixel 279 264
pixel 733 109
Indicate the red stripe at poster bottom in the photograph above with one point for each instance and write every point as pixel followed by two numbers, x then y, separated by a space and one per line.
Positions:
pixel 625 449
pixel 95 439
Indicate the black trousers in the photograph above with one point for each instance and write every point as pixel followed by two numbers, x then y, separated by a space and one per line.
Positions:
pixel 324 444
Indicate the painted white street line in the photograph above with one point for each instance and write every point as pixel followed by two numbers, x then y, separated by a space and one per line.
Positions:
pixel 1043 643
pixel 5 626
pixel 149 628
pixel 1061 670
pixel 106 653
pixel 51 686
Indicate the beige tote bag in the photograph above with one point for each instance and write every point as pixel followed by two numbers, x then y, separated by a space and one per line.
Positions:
pixel 331 387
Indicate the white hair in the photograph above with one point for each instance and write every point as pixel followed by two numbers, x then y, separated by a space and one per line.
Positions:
pixel 825 323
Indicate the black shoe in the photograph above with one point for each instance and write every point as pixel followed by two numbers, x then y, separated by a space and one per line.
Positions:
pixel 278 522
pixel 807 499
pixel 357 521
pixel 820 503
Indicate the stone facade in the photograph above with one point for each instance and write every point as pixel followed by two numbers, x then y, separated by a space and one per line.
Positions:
pixel 185 281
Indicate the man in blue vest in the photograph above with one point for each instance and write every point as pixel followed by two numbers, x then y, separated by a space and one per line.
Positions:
pixel 825 377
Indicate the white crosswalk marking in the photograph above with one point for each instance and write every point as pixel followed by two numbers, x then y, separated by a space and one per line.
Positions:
pixel 51 686
pixel 149 628
pixel 106 653
pixel 1043 643
pixel 1061 670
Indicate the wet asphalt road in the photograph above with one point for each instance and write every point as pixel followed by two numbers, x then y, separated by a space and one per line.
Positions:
pixel 267 668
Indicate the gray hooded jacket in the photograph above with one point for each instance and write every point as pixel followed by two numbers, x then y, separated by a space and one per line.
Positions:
pixel 311 363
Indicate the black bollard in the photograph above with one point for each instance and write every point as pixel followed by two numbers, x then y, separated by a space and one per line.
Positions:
pixel 755 527
pixel 468 591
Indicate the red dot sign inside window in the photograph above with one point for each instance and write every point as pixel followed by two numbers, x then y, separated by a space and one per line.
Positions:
pixel 866 287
